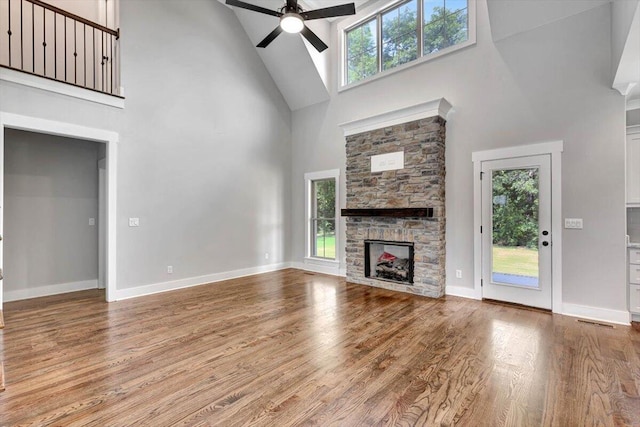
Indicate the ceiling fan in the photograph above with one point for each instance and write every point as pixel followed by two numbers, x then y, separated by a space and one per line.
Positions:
pixel 292 19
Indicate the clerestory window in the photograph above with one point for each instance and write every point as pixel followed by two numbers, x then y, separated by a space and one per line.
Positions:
pixel 405 32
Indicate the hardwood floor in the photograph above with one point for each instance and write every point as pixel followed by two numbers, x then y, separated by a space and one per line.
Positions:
pixel 292 348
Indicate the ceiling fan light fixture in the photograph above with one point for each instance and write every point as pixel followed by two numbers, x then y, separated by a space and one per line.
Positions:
pixel 291 22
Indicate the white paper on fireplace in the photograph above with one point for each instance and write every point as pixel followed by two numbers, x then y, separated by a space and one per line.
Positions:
pixel 387 162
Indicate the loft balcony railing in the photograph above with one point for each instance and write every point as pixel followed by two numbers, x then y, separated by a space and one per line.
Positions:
pixel 43 40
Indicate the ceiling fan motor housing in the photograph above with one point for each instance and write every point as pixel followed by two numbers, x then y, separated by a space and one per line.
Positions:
pixel 291 22
pixel 292 19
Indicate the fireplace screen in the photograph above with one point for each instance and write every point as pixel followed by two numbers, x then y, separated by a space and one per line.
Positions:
pixel 391 261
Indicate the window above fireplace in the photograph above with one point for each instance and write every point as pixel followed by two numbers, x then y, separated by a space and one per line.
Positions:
pixel 390 36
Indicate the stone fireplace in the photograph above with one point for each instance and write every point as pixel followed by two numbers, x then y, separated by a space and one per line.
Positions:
pixel 396 199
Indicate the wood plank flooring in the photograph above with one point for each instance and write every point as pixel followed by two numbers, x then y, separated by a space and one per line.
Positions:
pixel 293 348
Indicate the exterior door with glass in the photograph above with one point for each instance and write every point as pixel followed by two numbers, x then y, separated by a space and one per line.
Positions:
pixel 516 230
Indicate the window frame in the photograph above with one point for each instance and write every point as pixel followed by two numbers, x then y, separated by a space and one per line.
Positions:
pixel 309 178
pixel 375 12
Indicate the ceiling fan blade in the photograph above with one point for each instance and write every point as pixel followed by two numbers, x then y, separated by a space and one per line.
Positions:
pixel 292 5
pixel 243 5
pixel 271 37
pixel 330 12
pixel 313 39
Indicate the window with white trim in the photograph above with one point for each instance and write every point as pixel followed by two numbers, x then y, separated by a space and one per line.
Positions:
pixel 404 32
pixel 322 208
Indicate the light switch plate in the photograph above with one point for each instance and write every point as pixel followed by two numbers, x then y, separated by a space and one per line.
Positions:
pixel 134 222
pixel 575 223
pixel 92 221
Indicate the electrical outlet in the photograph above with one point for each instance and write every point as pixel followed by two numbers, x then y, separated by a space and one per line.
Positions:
pixel 134 222
pixel 92 221
pixel 266 255
pixel 575 223
pixel 458 274
pixel 170 269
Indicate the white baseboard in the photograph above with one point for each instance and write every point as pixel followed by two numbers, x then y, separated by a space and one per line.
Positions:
pixel 188 282
pixel 43 291
pixel 595 313
pixel 635 317
pixel 332 270
pixel 461 291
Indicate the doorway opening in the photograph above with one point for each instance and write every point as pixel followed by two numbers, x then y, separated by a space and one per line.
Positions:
pixel 11 122
pixel 51 204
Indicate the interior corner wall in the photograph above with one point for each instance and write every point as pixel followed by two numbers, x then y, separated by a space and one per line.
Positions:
pixel 622 13
pixel 550 83
pixel 204 150
pixel 50 192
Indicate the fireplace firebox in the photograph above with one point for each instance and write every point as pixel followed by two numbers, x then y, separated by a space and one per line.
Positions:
pixel 391 261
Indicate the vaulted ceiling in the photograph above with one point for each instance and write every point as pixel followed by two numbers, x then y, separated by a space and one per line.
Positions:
pixel 301 73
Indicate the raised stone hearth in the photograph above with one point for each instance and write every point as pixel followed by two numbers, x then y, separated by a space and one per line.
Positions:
pixel 417 183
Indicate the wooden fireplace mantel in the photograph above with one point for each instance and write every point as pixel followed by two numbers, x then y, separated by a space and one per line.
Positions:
pixel 390 212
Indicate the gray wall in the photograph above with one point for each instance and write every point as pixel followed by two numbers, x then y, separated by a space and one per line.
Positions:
pixel 550 83
pixel 204 152
pixel 50 192
pixel 633 117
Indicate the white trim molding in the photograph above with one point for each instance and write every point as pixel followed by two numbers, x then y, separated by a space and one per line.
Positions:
pixel 60 88
pixel 596 313
pixel 624 88
pixel 461 291
pixel 46 290
pixel 50 127
pixel 554 149
pixel 321 266
pixel 138 291
pixel 438 107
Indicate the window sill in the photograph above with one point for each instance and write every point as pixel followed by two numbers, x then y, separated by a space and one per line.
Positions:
pixel 322 261
pixel 29 80
pixel 408 65
pixel 324 266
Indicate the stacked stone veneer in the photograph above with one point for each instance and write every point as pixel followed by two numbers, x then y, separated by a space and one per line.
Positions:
pixel 419 185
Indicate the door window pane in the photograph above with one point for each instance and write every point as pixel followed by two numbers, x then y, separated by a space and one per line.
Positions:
pixel 515 227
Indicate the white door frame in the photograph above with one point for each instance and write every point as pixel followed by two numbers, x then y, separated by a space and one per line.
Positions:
pixel 554 149
pixel 50 127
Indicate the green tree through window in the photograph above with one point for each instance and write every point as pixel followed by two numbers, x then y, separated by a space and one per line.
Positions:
pixel 515 208
pixel 443 23
pixel 323 219
pixel 444 27
pixel 400 35
pixel 362 52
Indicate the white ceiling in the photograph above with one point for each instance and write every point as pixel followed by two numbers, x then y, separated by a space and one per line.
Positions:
pixel 509 17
